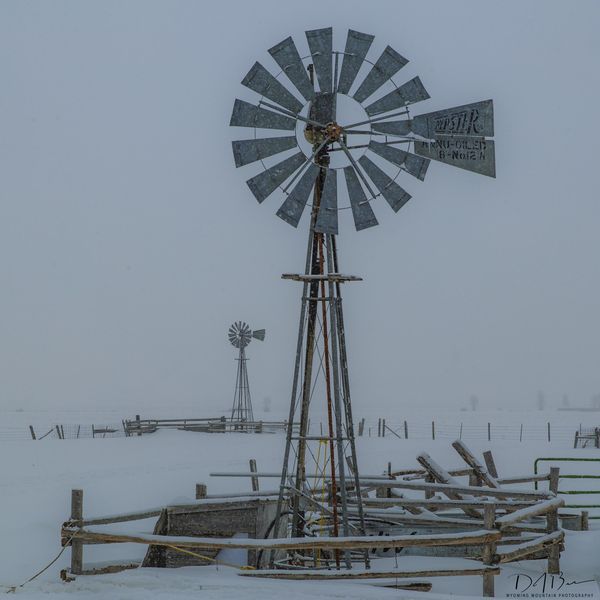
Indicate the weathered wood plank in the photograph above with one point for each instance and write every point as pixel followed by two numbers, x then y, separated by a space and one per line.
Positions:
pixel 399 541
pixel 529 512
pixel 441 503
pixel 470 459
pixel 438 473
pixel 531 547
pixel 360 574
pixel 76 546
pixel 473 491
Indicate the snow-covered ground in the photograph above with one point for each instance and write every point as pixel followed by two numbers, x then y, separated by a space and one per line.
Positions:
pixel 126 474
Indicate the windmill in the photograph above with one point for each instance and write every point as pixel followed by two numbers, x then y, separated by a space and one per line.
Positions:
pixel 328 112
pixel 240 335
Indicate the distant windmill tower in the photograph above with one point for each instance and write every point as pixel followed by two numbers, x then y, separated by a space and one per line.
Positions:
pixel 240 335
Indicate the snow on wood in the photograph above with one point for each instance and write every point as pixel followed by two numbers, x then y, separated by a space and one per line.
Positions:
pixel 530 511
pixel 108 536
pixel 467 489
pixel 314 574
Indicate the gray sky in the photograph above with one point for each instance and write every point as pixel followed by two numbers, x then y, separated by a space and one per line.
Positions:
pixel 129 241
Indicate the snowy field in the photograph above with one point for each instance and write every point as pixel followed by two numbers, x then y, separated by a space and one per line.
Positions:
pixel 126 474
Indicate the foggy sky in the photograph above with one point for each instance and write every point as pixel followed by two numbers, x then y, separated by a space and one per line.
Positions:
pixel 129 242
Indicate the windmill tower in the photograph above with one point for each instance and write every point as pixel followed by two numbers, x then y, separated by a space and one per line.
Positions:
pixel 240 335
pixel 327 120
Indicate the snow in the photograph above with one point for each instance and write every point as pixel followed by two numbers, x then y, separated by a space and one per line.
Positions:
pixel 120 475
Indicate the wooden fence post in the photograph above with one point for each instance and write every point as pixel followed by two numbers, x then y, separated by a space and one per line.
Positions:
pixel 429 493
pixel 32 432
pixel 585 524
pixel 489 518
pixel 138 424
pixel 554 476
pixel 383 428
pixel 549 431
pixel 433 430
pixel 77 546
pixel 200 491
pixel 490 464
pixel 521 433
pixel 554 550
pixel 489 432
pixel 379 427
pixel 405 430
pixel 254 479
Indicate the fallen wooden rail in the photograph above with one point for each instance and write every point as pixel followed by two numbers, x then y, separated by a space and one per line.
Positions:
pixel 461 489
pixel 371 574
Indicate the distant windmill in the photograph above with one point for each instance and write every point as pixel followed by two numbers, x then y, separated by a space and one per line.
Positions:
pixel 240 335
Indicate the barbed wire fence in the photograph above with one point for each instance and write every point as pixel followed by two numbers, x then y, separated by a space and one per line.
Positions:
pixel 382 427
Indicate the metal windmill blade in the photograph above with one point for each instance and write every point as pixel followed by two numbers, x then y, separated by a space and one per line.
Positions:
pixel 240 334
pixel 296 98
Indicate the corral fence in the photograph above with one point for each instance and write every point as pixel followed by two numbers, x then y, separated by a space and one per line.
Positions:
pixel 140 426
pixel 583 474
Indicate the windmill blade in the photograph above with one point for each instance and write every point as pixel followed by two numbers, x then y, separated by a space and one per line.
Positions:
pixel 293 207
pixel 320 42
pixel 357 46
pixel 362 212
pixel 396 197
pixel 327 219
pixel 249 151
pixel 387 65
pixel 262 82
pixel 265 183
pixel 259 334
pixel 409 93
pixel 248 115
pixel 287 57
pixel 399 128
pixel 471 154
pixel 475 119
pixel 415 165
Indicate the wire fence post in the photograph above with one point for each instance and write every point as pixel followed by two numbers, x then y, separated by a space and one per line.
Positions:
pixel 521 433
pixel 489 432
pixel 405 430
pixel 433 430
pixel 548 430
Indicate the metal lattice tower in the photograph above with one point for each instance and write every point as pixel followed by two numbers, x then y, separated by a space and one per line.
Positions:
pixel 308 141
pixel 240 335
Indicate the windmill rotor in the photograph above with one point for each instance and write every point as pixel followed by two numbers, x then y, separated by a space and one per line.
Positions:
pixel 295 121
pixel 240 334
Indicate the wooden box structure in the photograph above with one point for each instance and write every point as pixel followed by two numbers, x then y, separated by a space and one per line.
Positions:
pixel 219 518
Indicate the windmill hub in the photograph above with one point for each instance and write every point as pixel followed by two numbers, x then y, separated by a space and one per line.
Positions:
pixel 334 131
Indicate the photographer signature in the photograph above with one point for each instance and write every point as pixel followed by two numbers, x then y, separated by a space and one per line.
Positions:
pixel 544 582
